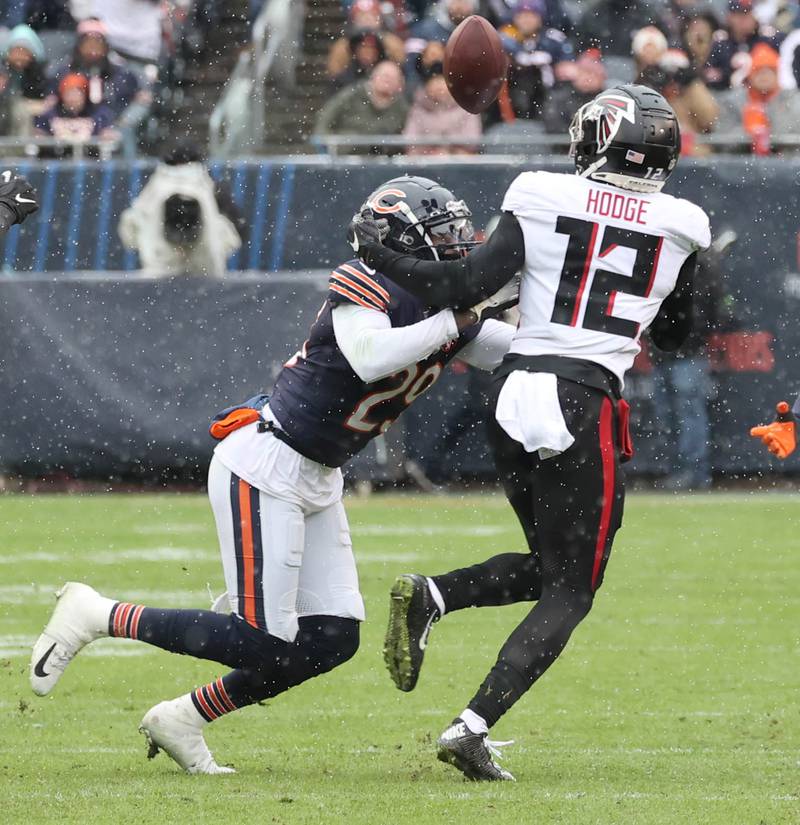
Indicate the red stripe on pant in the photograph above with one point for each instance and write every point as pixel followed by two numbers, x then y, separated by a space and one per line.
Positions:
pixel 606 432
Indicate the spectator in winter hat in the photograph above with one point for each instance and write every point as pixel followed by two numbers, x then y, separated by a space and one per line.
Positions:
pixel 74 117
pixel 538 58
pixel 648 48
pixel 760 108
pixel 111 82
pixel 729 63
pixel 22 81
pixel 24 63
pixel 365 44
pixel 434 114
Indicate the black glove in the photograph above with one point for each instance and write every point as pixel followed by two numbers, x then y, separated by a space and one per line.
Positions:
pixel 365 232
pixel 17 196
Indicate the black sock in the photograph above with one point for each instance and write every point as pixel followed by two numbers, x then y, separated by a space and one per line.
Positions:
pixel 503 579
pixel 530 650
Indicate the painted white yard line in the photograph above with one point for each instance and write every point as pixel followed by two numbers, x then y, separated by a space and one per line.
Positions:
pixel 45 594
pixel 113 556
pixel 13 647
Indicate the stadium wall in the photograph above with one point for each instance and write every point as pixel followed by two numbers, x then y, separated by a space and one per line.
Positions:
pixel 119 375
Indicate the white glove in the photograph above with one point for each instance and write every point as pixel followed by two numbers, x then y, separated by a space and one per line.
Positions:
pixel 505 298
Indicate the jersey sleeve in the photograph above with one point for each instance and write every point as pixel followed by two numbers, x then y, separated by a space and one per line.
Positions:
pixel 354 283
pixel 697 228
pixel 521 194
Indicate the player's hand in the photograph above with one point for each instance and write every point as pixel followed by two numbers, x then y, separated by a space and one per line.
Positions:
pixel 17 195
pixel 505 298
pixel 365 231
pixel 780 437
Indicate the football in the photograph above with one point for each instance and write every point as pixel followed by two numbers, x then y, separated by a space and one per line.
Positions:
pixel 475 64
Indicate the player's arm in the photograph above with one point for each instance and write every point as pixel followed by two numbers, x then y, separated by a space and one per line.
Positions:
pixel 375 349
pixel 460 282
pixel 488 348
pixel 17 200
pixel 673 323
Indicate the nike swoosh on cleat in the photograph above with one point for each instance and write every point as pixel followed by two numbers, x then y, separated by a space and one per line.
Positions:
pixel 423 639
pixel 39 669
pixel 20 199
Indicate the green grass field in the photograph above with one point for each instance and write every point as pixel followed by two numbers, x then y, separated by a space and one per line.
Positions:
pixel 677 701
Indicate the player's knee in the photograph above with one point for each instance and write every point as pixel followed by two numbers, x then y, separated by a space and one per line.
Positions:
pixel 333 640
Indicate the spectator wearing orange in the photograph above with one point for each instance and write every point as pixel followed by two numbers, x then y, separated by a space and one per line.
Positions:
pixel 768 109
pixel 434 114
pixel 74 118
pixel 365 44
pixel 648 47
pixel 729 62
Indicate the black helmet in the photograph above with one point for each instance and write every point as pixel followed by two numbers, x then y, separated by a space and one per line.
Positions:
pixel 425 219
pixel 627 136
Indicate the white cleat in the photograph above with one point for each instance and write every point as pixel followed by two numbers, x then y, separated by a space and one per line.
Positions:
pixel 80 616
pixel 177 728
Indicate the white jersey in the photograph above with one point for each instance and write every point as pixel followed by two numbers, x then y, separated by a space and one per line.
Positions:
pixel 599 261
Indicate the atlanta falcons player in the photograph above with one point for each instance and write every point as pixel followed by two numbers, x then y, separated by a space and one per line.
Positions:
pixel 604 255
pixel 275 485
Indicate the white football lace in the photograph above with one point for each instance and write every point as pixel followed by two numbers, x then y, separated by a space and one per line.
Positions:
pixel 495 747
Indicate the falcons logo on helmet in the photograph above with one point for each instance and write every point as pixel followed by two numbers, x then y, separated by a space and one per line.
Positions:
pixel 609 110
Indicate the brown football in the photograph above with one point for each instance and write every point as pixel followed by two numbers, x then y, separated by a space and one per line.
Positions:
pixel 475 64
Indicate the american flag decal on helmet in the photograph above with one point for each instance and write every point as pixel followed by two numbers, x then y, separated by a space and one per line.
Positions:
pixel 609 110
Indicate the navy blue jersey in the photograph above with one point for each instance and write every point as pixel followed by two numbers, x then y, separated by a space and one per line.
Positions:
pixel 328 412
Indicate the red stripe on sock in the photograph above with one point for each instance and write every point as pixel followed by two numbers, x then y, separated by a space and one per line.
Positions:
pixel 121 618
pixel 214 700
pixel 224 695
pixel 137 614
pixel 607 461
pixel 204 704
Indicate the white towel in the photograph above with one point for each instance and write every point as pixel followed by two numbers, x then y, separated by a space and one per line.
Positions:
pixel 528 410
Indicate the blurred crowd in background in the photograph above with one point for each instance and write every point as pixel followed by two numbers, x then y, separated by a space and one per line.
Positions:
pixel 112 70
pixel 728 69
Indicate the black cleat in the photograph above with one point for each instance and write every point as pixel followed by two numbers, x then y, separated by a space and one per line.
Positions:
pixel 412 612
pixel 472 753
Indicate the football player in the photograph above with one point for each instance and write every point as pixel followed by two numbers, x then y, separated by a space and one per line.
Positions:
pixel 605 254
pixel 275 485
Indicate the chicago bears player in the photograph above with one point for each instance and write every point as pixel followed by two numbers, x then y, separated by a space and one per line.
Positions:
pixel 275 486
pixel 605 254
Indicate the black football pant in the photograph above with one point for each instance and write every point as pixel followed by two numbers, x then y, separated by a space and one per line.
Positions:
pixel 570 507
